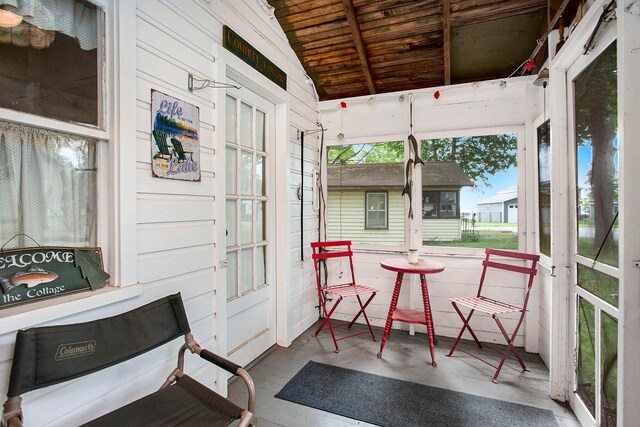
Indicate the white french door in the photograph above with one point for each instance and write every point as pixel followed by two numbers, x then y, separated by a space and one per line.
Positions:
pixel 250 245
pixel 593 130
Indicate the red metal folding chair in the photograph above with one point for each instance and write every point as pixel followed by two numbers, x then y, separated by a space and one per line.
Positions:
pixel 496 308
pixel 322 251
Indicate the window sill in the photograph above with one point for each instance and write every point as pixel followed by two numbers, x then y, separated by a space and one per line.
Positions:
pixel 28 315
pixel 439 251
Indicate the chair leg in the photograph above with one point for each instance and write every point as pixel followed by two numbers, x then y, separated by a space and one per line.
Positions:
pixel 510 348
pixel 464 326
pixel 327 321
pixel 362 311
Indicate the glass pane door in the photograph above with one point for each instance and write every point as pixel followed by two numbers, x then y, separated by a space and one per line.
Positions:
pixel 246 198
pixel 250 220
pixel 596 238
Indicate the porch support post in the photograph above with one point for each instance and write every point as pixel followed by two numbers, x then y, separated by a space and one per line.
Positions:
pixel 560 289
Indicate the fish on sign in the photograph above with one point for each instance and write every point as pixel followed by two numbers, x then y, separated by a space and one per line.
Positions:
pixel 32 274
pixel 30 278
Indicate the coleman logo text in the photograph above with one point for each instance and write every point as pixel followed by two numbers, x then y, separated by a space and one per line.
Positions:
pixel 77 349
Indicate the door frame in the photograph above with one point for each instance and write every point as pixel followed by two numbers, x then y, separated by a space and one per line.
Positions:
pixel 563 216
pixel 579 65
pixel 232 67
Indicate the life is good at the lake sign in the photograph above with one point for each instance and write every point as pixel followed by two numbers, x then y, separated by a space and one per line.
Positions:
pixel 32 274
pixel 175 144
pixel 249 54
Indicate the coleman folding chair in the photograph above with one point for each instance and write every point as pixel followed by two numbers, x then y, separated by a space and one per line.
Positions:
pixel 322 251
pixel 50 355
pixel 496 308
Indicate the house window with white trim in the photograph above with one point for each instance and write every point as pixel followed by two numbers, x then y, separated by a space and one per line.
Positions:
pixel 51 67
pixel 440 204
pixel 369 175
pixel 376 210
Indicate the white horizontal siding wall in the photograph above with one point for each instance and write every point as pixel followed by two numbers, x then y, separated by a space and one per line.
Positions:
pixel 176 229
pixel 484 107
pixel 440 230
pixel 346 218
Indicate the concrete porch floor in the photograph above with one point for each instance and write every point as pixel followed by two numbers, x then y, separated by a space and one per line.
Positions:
pixel 406 358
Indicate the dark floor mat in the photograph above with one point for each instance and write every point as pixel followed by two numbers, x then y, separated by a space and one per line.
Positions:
pixel 391 402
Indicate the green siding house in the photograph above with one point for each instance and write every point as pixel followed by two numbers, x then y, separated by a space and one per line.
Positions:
pixel 365 202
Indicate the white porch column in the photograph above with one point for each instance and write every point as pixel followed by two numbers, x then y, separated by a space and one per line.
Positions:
pixel 629 202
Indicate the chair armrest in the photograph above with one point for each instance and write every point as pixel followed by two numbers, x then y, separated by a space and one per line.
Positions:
pixel 220 361
pixel 235 369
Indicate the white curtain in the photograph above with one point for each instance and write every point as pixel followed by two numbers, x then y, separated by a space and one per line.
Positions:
pixel 48 184
pixel 74 18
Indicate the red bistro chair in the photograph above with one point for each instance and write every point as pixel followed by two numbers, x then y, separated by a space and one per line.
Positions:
pixel 339 249
pixel 496 308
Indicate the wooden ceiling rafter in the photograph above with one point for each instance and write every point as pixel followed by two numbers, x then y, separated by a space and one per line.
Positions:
pixel 360 47
pixel 352 19
pixel 446 35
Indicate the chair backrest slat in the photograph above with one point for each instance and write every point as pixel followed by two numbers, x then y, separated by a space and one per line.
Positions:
pixel 317 256
pixel 512 254
pixel 529 271
pixel 510 267
pixel 323 255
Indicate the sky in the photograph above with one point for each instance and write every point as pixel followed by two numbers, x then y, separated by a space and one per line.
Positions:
pixel 470 196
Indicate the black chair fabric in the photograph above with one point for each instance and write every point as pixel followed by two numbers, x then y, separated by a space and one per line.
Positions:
pixel 52 354
pixel 186 403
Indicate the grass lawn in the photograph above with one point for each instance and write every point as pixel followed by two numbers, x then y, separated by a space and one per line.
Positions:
pixel 481 239
pixel 496 224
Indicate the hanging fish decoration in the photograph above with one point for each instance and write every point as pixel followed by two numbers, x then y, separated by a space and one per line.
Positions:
pixel 413 147
pixel 413 161
pixel 408 186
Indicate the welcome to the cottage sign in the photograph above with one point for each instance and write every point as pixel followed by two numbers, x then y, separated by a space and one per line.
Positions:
pixel 243 50
pixel 32 274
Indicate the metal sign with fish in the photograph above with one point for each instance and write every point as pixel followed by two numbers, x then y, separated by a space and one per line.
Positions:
pixel 32 274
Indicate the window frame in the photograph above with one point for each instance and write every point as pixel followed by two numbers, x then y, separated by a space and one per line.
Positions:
pixel 366 210
pixel 438 194
pixel 99 132
pixel 412 225
pixel 116 98
pixel 539 121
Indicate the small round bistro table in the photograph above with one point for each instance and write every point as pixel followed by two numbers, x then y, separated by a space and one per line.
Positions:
pixel 402 267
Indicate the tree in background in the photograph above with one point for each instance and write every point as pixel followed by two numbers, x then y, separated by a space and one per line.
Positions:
pixel 384 152
pixel 596 105
pixel 480 157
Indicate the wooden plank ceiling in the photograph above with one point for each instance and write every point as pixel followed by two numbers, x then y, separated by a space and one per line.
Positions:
pixel 363 47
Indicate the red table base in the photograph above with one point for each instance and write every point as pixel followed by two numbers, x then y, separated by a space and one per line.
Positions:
pixel 410 316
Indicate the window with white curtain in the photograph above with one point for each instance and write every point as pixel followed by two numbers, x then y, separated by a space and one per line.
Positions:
pixel 48 187
pixel 50 59
pixel 51 66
